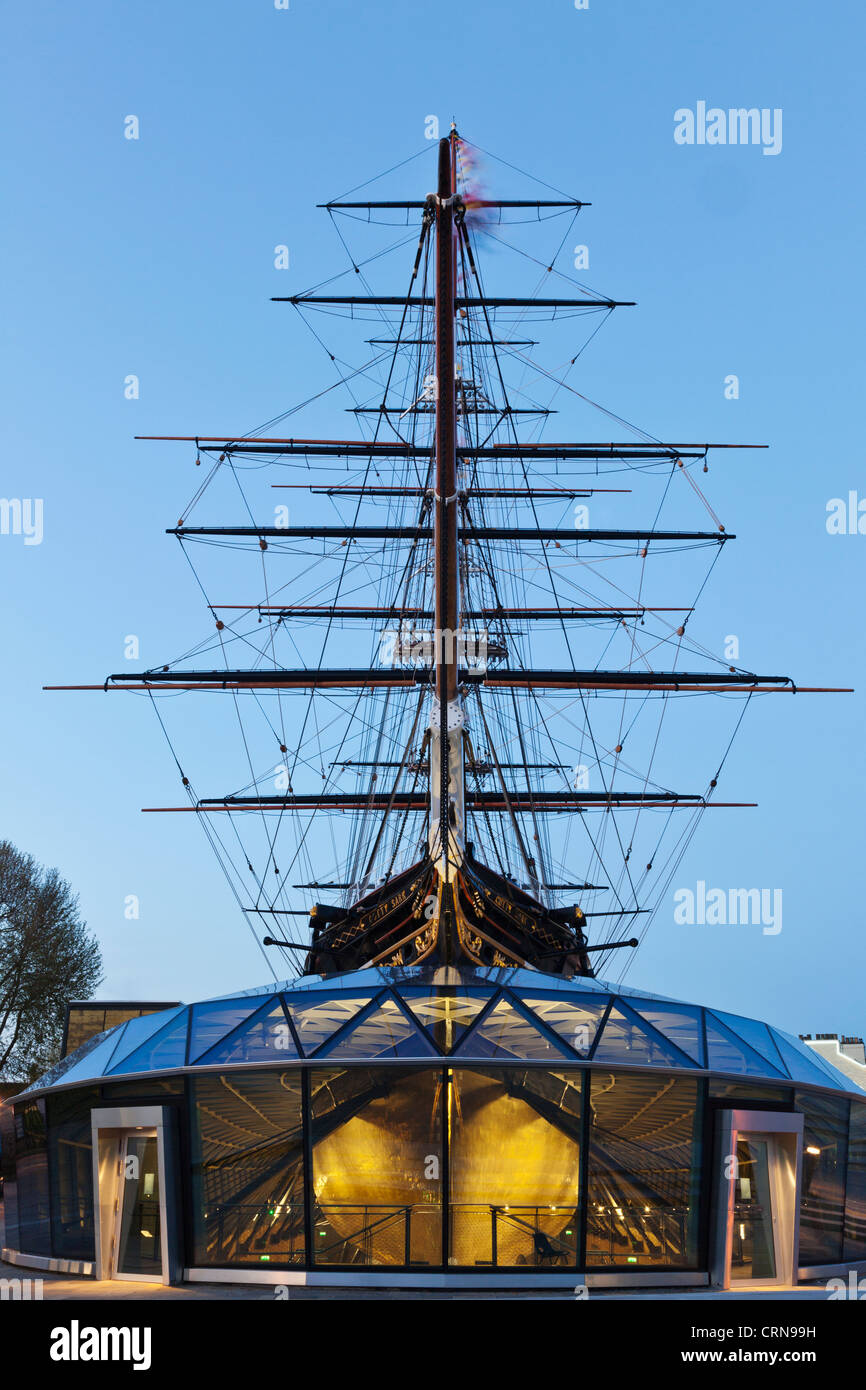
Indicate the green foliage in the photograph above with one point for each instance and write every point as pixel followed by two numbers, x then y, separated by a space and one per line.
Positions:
pixel 47 959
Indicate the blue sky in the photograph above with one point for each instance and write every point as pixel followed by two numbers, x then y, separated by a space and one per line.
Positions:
pixel 155 257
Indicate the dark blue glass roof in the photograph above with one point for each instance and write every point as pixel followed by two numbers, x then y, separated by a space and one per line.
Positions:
pixel 421 1013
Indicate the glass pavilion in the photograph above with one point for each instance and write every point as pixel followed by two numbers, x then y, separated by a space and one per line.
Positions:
pixel 491 1122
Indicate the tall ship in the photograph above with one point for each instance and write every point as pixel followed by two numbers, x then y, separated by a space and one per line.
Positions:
pixel 467 730
pixel 512 666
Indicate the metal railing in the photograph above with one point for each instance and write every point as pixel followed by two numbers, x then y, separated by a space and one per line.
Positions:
pixel 410 1234
pixel 637 1234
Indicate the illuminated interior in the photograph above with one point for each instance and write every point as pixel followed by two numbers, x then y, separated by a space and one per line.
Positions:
pixel 467 1121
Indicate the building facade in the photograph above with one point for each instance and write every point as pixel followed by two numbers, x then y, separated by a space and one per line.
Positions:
pixel 427 1126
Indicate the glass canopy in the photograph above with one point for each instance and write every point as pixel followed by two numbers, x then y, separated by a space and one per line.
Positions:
pixel 506 1015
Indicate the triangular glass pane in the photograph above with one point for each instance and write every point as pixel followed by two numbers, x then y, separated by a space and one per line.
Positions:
pixel 808 1066
pixel 727 1052
pixel 506 1032
pixel 90 1061
pixel 317 1019
pixel 130 1035
pixel 386 1031
pixel 575 1021
pixel 211 1023
pixel 446 1015
pixel 680 1023
pixel 167 1048
pixel 86 1061
pixel 265 1037
pixel 755 1033
pixel 626 1038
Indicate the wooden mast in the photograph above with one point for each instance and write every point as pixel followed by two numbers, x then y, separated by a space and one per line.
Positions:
pixel 446 752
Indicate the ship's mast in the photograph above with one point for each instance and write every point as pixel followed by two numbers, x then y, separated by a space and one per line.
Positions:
pixel 446 831
pixel 482 916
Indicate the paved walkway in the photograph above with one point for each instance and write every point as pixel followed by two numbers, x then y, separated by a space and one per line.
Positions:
pixel 60 1287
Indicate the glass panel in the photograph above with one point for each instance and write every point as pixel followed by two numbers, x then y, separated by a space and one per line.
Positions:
pixel 377 1161
pixel 385 1032
pixel 139 1249
pixel 165 1045
pixel 166 1049
pixel 265 1038
pixel 316 1019
pixel 644 1170
pixel 806 1065
pixel 514 1167
pixel 247 1168
pixel 855 1195
pixel 683 1025
pixel 153 1088
pixel 90 1060
pixel 753 1254
pixel 70 1166
pixel 86 1020
pixel 447 1014
pixel 506 1032
pixel 211 1022
pixel 825 1144
pixel 746 1090
pixel 8 1187
pixel 726 1052
pixel 31 1164
pixel 86 1061
pixel 757 1035
pixel 574 1020
pixel 625 1038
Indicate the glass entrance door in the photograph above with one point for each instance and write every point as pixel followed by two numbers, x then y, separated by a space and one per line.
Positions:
pixel 138 1238
pixel 755 1237
pixel 753 1247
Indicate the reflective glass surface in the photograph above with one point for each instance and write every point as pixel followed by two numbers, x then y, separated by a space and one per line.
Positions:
pixel 264 1037
pixel 753 1254
pixel 506 1031
pixel 751 1091
pixel 445 1014
pixel 822 1202
pixel 70 1166
pixel 728 1052
pixel 804 1064
pixel 247 1168
pixel 678 1022
pixel 643 1170
pixel 855 1192
pixel 514 1167
pixel 165 1044
pixel 576 1021
pixel 139 1236
pixel 377 1167
pixel 385 1030
pixel 574 1017
pixel 626 1038
pixel 31 1153
pixel 211 1022
pixel 84 1021
pixel 316 1020
pixel 757 1035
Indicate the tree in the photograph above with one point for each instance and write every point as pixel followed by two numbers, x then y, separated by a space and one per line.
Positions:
pixel 47 959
